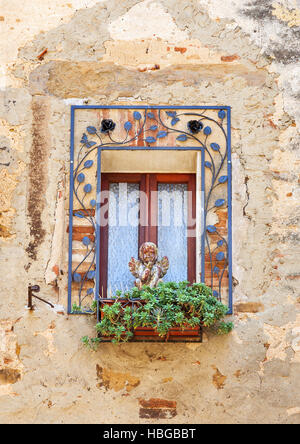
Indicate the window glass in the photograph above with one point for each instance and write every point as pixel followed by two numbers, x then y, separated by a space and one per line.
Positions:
pixel 172 228
pixel 123 234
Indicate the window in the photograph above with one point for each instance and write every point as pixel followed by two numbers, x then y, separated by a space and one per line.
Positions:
pixel 138 208
pixel 149 159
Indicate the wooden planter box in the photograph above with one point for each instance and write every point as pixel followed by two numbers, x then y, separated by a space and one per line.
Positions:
pixel 147 334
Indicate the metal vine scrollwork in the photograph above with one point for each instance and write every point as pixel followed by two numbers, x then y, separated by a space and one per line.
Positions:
pixel 149 128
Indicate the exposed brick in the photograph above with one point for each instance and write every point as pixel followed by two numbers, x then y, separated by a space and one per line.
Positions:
pixel 181 50
pixel 81 229
pixel 249 307
pixel 157 413
pixel 80 236
pixel 157 403
pixel 230 58
pixel 293 277
pixel 55 269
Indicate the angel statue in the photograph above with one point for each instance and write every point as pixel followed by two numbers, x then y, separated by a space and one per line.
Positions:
pixel 148 270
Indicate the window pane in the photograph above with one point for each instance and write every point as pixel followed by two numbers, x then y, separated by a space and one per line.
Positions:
pixel 172 229
pixel 123 234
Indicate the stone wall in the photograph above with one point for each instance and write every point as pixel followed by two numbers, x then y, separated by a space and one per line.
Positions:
pixel 241 53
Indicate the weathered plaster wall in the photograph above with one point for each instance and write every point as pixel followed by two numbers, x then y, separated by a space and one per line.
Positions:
pixel 237 52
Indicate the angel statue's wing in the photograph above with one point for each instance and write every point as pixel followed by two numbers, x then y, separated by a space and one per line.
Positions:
pixel 134 265
pixel 164 265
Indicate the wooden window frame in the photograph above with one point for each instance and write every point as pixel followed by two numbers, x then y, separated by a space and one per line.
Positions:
pixel 148 182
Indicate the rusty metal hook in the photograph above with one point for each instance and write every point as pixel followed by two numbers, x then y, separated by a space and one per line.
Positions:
pixel 36 289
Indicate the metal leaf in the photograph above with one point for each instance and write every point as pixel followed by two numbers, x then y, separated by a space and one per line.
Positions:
pixel 208 164
pixel 220 256
pixel 90 144
pixel 182 138
pixel 88 164
pixel 76 277
pixel 161 134
pixel 207 130
pixel 223 179
pixel 86 241
pixel 84 138
pixel 174 121
pixel 137 115
pixel 215 146
pixel 222 114
pixel 87 188
pixel 211 228
pixel 128 126
pixel 91 274
pixel 150 139
pixel 219 202
pixel 80 177
pixel 91 130
pixel 153 127
pixel 79 214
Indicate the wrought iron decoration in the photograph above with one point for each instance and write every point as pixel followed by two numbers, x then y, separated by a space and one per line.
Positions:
pixel 144 130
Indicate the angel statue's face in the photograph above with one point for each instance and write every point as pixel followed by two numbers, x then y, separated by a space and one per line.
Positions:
pixel 149 253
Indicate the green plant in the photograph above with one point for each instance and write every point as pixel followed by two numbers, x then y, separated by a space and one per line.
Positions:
pixel 78 309
pixel 225 327
pixel 167 306
pixel 90 342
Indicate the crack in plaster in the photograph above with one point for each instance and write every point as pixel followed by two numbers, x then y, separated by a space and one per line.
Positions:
pixel 53 267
